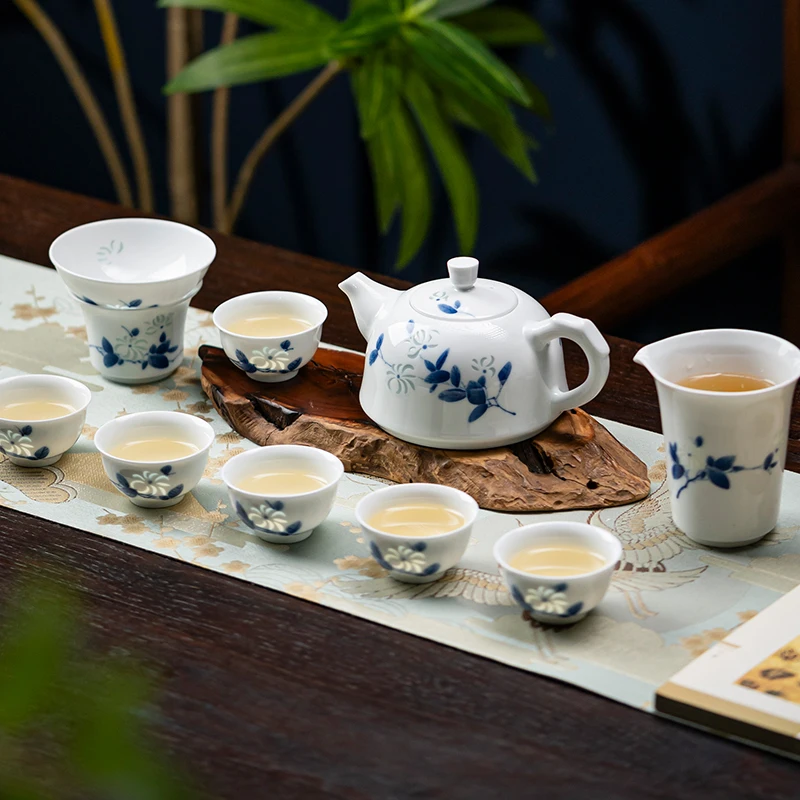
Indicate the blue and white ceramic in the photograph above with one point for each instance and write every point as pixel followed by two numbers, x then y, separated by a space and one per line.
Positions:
pixel 132 263
pixel 136 345
pixel 422 559
pixel 725 450
pixel 155 484
pixel 283 518
pixel 465 363
pixel 40 443
pixel 557 600
pixel 271 359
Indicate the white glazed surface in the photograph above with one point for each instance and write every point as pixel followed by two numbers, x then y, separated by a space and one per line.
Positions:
pixel 423 559
pixel 283 519
pixel 725 450
pixel 483 373
pixel 155 484
pixel 132 262
pixel 271 359
pixel 136 345
pixel 40 443
pixel 558 600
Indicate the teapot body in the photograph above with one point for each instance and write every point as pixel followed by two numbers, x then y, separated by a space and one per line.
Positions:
pixel 459 384
pixel 467 363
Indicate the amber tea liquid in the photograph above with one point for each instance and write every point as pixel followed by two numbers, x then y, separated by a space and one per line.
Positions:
pixel 269 325
pixel 414 520
pixel 281 482
pixel 33 410
pixel 558 562
pixel 161 449
pixel 725 382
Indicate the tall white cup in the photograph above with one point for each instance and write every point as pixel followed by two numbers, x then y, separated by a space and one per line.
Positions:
pixel 725 450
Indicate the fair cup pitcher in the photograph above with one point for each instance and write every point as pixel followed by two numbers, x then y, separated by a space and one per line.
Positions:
pixel 725 450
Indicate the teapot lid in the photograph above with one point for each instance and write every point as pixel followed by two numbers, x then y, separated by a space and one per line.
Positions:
pixel 463 295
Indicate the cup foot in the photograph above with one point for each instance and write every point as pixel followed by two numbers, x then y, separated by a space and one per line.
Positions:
pixel 552 619
pixel 145 503
pixel 274 538
pixel 271 377
pixel 405 578
pixel 39 462
pixel 147 379
pixel 726 545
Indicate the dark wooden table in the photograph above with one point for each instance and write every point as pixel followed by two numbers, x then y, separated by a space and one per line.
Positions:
pixel 266 695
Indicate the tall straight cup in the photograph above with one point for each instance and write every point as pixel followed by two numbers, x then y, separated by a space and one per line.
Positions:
pixel 725 450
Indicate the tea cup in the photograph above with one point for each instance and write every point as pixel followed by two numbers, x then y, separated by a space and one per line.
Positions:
pixel 137 345
pixel 41 442
pixel 132 262
pixel 283 518
pixel 552 599
pixel 419 559
pixel 277 358
pixel 159 482
pixel 725 450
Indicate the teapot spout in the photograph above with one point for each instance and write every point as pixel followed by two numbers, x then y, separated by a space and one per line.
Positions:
pixel 368 299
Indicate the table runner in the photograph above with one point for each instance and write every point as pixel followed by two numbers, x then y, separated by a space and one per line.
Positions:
pixel 669 601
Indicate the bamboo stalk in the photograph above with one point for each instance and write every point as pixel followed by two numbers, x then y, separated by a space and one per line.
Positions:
pixel 270 136
pixel 84 95
pixel 180 158
pixel 219 133
pixel 126 102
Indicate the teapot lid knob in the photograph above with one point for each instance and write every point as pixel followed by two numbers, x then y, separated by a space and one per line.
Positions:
pixel 463 272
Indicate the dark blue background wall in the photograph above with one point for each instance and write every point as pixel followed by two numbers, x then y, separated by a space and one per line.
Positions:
pixel 660 107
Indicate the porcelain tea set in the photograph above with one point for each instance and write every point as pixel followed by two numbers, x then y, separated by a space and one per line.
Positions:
pixel 460 363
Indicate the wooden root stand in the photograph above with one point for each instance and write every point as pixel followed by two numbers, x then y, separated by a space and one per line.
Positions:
pixel 576 463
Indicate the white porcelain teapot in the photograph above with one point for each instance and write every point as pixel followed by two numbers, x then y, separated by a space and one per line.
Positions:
pixel 466 363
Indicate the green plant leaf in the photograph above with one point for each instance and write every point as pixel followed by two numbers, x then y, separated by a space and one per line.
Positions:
pixel 254 58
pixel 502 26
pixel 289 14
pixel 458 57
pixel 364 29
pixel 499 126
pixel 378 80
pixel 449 154
pixel 412 180
pixel 357 5
pixel 539 104
pixel 449 8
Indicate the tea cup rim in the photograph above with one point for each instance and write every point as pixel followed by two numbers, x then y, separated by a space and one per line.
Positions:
pixel 317 453
pixel 188 296
pixel 638 359
pixel 82 388
pixel 407 488
pixel 273 293
pixel 563 526
pixel 203 264
pixel 199 423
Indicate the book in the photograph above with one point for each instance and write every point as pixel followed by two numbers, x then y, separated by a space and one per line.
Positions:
pixel 748 685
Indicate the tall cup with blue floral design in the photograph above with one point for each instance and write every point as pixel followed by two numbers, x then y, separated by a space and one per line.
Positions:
pixel 725 450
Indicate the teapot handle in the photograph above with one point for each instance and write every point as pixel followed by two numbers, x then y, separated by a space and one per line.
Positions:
pixel 585 334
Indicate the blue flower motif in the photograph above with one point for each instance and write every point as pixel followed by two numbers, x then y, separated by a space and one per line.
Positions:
pixel 547 600
pixel 406 558
pixel 147 484
pixel 132 348
pixel 716 470
pixel 17 442
pixel 268 517
pixel 268 360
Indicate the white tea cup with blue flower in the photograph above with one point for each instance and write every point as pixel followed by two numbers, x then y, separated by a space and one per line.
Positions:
pixel 282 492
pixel 558 599
pixel 41 417
pixel 414 553
pixel 155 458
pixel 725 450
pixel 270 335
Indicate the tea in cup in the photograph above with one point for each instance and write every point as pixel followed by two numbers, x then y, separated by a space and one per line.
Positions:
pixel 155 458
pixel 557 571
pixel 282 492
pixel 270 335
pixel 725 398
pixel 417 531
pixel 41 417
